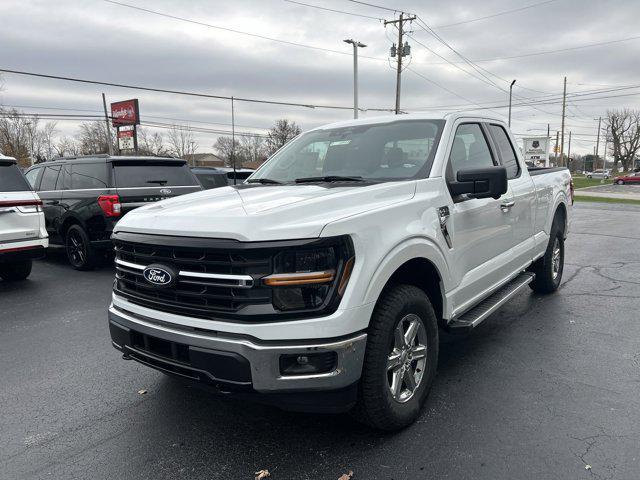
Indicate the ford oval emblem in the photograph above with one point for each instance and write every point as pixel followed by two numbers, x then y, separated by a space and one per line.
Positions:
pixel 158 275
pixel 165 191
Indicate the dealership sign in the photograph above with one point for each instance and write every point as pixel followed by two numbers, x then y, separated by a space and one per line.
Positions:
pixel 536 149
pixel 125 113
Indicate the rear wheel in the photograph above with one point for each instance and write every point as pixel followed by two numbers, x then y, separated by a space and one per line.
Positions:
pixel 16 271
pixel 549 267
pixel 400 361
pixel 79 252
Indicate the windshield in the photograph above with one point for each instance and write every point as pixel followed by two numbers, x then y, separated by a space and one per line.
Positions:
pixel 153 174
pixel 396 150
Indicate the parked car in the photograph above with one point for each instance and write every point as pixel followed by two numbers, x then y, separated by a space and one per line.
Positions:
pixel 599 174
pixel 210 177
pixel 84 197
pixel 630 178
pixel 23 236
pixel 241 174
pixel 323 281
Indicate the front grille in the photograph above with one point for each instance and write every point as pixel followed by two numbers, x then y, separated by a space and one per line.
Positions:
pixel 215 281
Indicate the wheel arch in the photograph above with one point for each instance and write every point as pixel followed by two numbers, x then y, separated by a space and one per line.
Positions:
pixel 416 262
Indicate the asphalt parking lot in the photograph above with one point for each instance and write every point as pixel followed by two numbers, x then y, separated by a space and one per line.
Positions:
pixel 547 388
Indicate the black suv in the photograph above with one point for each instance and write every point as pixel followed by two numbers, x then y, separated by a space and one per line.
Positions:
pixel 84 197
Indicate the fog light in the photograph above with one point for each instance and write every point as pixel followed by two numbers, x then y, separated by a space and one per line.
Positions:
pixel 308 363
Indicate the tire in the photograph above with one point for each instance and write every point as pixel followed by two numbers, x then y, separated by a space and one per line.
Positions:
pixel 549 267
pixel 16 271
pixel 620 182
pixel 589 176
pixel 400 306
pixel 79 251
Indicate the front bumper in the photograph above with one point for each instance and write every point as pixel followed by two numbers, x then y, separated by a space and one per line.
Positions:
pixel 232 362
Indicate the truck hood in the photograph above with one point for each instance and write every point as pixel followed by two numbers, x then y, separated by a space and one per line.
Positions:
pixel 258 213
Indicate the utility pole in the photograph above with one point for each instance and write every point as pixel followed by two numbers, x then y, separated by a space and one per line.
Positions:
pixel 556 149
pixel 569 152
pixel 106 119
pixel 604 157
pixel 595 163
pixel 564 105
pixel 510 91
pixel 401 51
pixel 355 44
pixel 233 141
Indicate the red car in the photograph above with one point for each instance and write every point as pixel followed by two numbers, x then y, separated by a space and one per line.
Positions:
pixel 631 178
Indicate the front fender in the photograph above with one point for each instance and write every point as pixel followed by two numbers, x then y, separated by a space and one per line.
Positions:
pixel 409 249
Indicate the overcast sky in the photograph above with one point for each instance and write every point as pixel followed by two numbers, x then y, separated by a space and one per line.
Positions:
pixel 95 39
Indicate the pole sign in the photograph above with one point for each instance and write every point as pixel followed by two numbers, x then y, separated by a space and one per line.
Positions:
pixel 126 139
pixel 125 113
pixel 536 150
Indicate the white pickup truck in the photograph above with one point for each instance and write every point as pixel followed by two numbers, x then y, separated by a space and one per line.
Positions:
pixel 321 283
pixel 23 235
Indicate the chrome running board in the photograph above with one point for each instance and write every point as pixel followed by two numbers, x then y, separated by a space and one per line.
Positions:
pixel 473 317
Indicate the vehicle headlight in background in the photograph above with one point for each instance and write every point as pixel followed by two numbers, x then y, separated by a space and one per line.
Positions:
pixel 307 278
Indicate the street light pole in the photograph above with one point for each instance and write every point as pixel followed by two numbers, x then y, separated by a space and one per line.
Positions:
pixel 510 92
pixel 355 44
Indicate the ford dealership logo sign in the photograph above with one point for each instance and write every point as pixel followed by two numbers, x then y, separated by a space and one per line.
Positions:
pixel 158 275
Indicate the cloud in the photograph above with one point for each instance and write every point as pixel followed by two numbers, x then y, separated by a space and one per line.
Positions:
pixel 102 41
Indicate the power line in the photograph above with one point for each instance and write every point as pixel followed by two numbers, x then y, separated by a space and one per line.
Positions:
pixel 498 14
pixel 232 30
pixel 376 6
pixel 180 92
pixel 334 10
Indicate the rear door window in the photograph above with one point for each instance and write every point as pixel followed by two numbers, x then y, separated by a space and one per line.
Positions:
pixel 153 174
pixel 88 176
pixel 49 178
pixel 11 178
pixel 507 153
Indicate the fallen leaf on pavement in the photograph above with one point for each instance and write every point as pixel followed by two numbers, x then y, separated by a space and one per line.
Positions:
pixel 262 474
pixel 587 467
pixel 142 391
pixel 346 476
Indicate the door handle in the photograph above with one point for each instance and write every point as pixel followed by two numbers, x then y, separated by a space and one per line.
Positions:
pixel 506 206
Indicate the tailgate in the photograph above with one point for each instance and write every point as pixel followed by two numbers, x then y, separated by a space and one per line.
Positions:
pixel 131 197
pixel 19 217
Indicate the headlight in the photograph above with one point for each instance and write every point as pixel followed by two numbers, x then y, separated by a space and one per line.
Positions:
pixel 308 278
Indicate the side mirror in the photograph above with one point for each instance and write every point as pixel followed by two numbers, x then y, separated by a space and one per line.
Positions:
pixel 490 182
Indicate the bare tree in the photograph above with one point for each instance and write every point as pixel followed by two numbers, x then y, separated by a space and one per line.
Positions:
pixel 623 127
pixel 252 148
pixel 151 143
pixel 181 142
pixel 224 148
pixel 92 138
pixel 14 135
pixel 66 146
pixel 283 131
pixel 48 139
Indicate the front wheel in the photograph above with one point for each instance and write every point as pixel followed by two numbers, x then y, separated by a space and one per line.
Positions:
pixel 16 271
pixel 620 182
pixel 400 361
pixel 549 267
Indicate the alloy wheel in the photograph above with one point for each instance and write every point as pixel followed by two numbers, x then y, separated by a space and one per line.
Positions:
pixel 407 360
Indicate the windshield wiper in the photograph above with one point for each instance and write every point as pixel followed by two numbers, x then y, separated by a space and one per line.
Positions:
pixel 329 178
pixel 264 181
pixel 161 182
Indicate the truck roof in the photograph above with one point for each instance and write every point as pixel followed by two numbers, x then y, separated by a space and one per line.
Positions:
pixel 381 119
